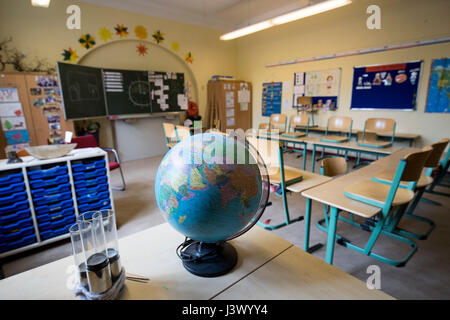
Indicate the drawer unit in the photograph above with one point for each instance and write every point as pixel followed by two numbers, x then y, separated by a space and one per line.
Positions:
pixel 56 223
pixel 16 234
pixel 92 190
pixel 11 208
pixel 14 216
pixel 95 205
pixel 52 198
pixel 44 217
pixel 15 225
pixel 13 198
pixel 55 207
pixel 42 192
pixel 87 165
pixel 90 182
pixel 9 177
pixel 52 232
pixel 93 197
pixel 46 183
pixel 22 242
pixel 77 176
pixel 12 188
pixel 47 171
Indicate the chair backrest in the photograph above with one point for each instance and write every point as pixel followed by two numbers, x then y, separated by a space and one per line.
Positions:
pixel 436 153
pixel 269 151
pixel 87 141
pixel 182 132
pixel 366 136
pixel 278 121
pixel 336 123
pixel 169 131
pixel 265 126
pixel 299 120
pixel 333 166
pixel 380 124
pixel 414 164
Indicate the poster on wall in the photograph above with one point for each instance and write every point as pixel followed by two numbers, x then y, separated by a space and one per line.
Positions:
pixel 386 87
pixel 322 86
pixel 271 98
pixel 438 99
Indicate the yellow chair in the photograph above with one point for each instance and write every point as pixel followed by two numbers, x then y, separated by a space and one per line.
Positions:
pixel 278 121
pixel 372 126
pixel 170 134
pixel 182 132
pixel 299 120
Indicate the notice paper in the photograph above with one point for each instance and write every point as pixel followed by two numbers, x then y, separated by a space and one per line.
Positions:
pixel 182 101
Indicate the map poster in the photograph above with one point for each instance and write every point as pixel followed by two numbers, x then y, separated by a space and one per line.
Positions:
pixel 438 99
pixel 271 98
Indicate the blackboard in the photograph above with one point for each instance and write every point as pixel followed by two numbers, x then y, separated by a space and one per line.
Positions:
pixel 391 86
pixel 127 92
pixel 82 91
pixel 166 88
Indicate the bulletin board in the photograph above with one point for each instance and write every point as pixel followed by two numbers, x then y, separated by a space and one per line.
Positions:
pixel 439 86
pixel 271 98
pixel 167 91
pixel 322 86
pixel 386 87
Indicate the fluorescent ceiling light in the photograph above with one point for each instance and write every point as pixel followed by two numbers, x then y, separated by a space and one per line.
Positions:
pixel 40 3
pixel 288 17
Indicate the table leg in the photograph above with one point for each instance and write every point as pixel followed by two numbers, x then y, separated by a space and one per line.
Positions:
pixel 313 158
pixel 304 156
pixel 317 246
pixel 331 235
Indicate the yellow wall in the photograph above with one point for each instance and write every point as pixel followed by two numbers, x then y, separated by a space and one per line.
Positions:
pixel 343 30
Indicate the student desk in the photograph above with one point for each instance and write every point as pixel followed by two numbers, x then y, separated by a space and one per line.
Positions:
pixel 332 194
pixel 410 137
pixel 260 253
pixel 347 146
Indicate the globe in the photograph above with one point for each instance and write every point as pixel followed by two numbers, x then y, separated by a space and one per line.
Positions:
pixel 211 187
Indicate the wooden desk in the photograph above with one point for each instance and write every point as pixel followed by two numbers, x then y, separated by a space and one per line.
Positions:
pixel 297 275
pixel 332 194
pixel 347 146
pixel 151 253
pixel 410 137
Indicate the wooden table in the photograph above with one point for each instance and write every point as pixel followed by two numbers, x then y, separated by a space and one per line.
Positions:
pixel 410 137
pixel 151 253
pixel 332 194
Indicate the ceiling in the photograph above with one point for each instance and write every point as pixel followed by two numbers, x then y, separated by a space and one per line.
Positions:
pixel 224 15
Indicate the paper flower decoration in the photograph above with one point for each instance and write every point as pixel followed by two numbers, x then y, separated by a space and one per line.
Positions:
pixel 175 46
pixel 121 31
pixel 105 34
pixel 87 41
pixel 141 32
pixel 188 57
pixel 158 37
pixel 142 49
pixel 70 55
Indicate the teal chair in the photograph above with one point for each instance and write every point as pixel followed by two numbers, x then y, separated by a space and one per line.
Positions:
pixel 297 121
pixel 391 199
pixel 170 134
pixel 424 181
pixel 440 175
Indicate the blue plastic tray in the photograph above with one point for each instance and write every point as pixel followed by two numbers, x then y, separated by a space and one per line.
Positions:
pixel 7 246
pixel 52 198
pixel 51 233
pixel 88 165
pixel 54 207
pixel 40 183
pixel 93 197
pixel 12 236
pixel 7 227
pixel 95 189
pixel 55 224
pixel 36 193
pixel 15 216
pixel 97 205
pixel 12 188
pixel 91 182
pixel 14 207
pixel 11 178
pixel 88 175
pixel 19 196
pixel 56 215
pixel 47 173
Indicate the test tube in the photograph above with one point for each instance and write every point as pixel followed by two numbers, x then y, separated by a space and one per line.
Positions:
pixel 78 253
pixel 108 220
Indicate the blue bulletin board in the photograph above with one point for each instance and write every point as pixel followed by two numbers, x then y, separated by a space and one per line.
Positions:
pixel 438 99
pixel 271 98
pixel 391 86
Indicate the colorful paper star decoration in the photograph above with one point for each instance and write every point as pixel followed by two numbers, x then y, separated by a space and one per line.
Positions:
pixel 87 41
pixel 70 55
pixel 105 34
pixel 141 32
pixel 188 57
pixel 158 37
pixel 175 46
pixel 121 31
pixel 142 49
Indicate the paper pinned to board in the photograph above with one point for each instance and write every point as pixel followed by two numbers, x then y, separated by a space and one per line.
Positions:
pixel 182 102
pixel 244 96
pixel 299 89
pixel 287 86
pixel 230 122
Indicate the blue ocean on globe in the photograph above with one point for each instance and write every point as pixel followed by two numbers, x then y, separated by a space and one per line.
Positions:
pixel 208 187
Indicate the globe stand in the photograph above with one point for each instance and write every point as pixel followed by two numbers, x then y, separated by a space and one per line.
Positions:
pixel 210 259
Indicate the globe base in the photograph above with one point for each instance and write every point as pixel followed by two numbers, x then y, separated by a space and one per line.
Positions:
pixel 213 259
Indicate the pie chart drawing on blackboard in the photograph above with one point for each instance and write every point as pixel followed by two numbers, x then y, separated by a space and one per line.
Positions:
pixel 138 93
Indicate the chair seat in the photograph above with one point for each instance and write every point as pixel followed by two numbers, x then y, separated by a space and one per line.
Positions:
pixel 388 176
pixel 272 132
pixel 171 144
pixel 291 175
pixel 374 143
pixel 376 193
pixel 331 138
pixel 294 134
pixel 113 165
